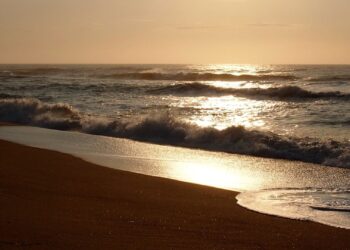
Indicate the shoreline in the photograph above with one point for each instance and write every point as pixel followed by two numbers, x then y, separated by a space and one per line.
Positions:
pixel 54 200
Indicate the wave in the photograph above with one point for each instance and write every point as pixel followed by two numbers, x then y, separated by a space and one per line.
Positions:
pixel 197 77
pixel 336 209
pixel 344 122
pixel 87 70
pixel 9 96
pixel 330 78
pixel 285 92
pixel 75 86
pixel 31 111
pixel 166 129
pixel 24 72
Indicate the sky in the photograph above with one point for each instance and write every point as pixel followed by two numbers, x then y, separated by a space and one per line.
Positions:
pixel 175 31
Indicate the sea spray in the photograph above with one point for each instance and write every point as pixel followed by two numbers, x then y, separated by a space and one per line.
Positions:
pixel 165 128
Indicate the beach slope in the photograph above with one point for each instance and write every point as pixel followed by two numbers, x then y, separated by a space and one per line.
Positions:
pixel 51 200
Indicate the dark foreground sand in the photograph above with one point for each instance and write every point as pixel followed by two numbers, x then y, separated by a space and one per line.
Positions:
pixel 51 200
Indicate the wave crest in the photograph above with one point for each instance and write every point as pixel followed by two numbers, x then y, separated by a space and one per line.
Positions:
pixel 285 92
pixel 34 112
pixel 166 129
pixel 197 77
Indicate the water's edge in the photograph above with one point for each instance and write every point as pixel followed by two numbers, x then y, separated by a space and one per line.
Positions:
pixel 124 162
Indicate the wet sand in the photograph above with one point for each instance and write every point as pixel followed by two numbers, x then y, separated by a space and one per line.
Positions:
pixel 51 200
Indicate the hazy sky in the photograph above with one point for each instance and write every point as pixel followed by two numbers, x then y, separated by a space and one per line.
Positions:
pixel 174 31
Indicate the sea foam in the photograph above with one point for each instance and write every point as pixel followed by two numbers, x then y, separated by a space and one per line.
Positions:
pixel 165 128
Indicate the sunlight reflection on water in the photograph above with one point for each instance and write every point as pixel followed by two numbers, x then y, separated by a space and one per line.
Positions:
pixel 223 112
pixel 229 171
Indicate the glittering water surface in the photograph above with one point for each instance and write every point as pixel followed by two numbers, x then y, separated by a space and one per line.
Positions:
pixel 207 95
pixel 329 206
pixel 279 187
pixel 278 111
pixel 290 112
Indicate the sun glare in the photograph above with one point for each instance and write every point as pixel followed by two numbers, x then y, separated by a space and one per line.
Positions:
pixel 226 111
pixel 212 173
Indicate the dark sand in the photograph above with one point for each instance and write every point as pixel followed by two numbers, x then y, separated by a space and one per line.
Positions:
pixel 51 200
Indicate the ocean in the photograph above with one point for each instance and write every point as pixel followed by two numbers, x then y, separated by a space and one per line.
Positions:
pixel 295 114
pixel 290 112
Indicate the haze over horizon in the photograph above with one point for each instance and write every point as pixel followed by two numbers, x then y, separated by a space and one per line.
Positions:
pixel 155 31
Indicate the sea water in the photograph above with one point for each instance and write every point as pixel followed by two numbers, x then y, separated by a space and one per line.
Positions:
pixel 279 187
pixel 299 113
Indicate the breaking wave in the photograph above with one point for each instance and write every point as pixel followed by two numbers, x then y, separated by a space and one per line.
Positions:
pixel 166 129
pixel 34 112
pixel 286 92
pixel 197 77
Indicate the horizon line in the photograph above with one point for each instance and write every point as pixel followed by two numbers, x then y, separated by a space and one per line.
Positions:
pixel 51 63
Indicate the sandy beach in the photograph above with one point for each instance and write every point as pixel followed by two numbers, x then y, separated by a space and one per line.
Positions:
pixel 50 200
pixel 175 124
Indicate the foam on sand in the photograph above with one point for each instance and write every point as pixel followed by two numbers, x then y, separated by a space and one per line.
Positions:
pixel 327 206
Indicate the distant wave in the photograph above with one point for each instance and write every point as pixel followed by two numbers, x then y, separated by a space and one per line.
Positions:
pixel 8 96
pixel 24 72
pixel 197 77
pixel 166 129
pixel 285 92
pixel 69 86
pixel 330 78
pixel 89 70
pixel 344 122
pixel 39 71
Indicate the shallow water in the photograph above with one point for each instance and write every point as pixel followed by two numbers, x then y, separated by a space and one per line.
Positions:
pixel 330 206
pixel 285 188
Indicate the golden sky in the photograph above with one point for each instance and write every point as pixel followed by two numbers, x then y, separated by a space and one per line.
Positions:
pixel 175 31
